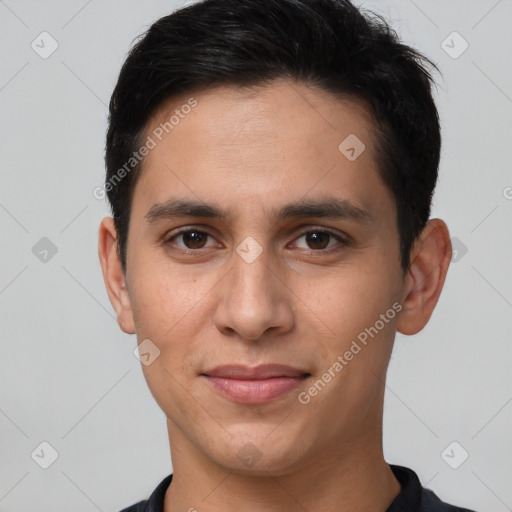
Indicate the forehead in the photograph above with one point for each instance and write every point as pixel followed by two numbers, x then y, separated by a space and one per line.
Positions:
pixel 247 148
pixel 278 109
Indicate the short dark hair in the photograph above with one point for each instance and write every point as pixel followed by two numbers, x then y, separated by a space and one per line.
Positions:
pixel 327 44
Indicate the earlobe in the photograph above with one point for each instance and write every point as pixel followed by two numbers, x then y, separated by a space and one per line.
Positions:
pixel 113 275
pixel 430 259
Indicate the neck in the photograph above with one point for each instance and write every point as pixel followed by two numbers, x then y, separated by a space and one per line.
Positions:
pixel 355 478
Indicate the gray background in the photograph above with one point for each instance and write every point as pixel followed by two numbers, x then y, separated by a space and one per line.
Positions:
pixel 68 375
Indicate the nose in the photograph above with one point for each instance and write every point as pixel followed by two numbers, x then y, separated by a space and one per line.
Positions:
pixel 254 300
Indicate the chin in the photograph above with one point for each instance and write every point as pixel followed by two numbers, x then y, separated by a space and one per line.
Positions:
pixel 258 454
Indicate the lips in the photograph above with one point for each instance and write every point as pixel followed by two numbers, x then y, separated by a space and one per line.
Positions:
pixel 264 371
pixel 254 385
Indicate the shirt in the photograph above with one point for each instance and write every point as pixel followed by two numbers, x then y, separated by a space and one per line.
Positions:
pixel 412 497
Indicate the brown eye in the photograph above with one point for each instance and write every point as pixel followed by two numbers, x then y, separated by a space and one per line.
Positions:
pixel 320 240
pixel 194 239
pixel 191 239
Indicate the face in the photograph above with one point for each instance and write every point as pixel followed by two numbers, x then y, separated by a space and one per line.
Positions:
pixel 292 259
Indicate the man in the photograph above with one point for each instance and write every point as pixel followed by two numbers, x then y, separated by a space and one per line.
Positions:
pixel 270 167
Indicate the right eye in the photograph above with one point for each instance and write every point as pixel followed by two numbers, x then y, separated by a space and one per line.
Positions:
pixel 192 238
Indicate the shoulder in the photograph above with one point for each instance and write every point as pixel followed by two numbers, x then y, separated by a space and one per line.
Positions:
pixel 415 498
pixel 155 503
pixel 141 506
pixel 431 503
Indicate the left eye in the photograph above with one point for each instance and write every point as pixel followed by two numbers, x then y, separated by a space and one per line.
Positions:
pixel 319 240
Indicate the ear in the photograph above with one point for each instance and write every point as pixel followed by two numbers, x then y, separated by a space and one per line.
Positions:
pixel 113 275
pixel 430 257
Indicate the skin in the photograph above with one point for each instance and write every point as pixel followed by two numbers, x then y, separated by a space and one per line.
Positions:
pixel 301 302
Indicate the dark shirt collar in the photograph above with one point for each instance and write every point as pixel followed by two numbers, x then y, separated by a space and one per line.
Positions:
pixel 412 497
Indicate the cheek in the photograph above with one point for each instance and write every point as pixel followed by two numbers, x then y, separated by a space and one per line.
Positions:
pixel 166 309
pixel 171 308
pixel 347 300
pixel 356 306
pixel 162 298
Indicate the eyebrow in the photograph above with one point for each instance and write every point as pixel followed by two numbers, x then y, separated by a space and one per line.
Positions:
pixel 330 208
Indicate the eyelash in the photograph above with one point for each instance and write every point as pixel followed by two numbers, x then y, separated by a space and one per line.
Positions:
pixel 168 241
